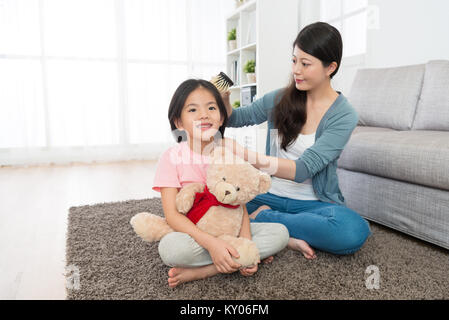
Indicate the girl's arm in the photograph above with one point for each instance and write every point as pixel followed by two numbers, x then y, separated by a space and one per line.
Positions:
pixel 245 230
pixel 178 221
pixel 219 250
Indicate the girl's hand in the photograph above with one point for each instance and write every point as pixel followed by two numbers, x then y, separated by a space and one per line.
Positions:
pixel 249 271
pixel 221 252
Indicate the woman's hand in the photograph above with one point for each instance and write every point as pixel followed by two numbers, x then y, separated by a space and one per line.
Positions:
pixel 227 101
pixel 235 147
pixel 279 167
pixel 249 271
pixel 221 252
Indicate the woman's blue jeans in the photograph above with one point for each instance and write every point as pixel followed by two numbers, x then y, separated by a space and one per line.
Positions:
pixel 325 226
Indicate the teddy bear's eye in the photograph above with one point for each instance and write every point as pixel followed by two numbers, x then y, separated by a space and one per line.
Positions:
pixel 238 189
pixel 224 179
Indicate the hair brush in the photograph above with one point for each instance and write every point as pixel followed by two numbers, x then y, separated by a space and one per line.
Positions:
pixel 222 82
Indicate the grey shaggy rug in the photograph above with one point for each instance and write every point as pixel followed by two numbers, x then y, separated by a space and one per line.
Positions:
pixel 114 263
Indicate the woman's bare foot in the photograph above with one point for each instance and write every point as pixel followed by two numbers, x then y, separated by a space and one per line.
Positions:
pixel 253 215
pixel 268 260
pixel 302 246
pixel 176 275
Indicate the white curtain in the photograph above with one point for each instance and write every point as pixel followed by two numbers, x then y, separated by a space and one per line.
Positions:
pixel 91 80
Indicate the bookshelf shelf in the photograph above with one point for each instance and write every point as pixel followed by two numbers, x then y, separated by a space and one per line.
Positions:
pixel 243 19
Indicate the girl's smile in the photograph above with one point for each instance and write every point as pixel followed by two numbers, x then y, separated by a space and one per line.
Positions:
pixel 204 126
pixel 200 116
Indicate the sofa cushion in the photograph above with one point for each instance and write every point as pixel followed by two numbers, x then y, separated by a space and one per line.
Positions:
pixel 387 97
pixel 419 157
pixel 433 107
pixel 362 129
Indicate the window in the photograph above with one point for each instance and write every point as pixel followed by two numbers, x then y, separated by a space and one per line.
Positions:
pixel 350 18
pixel 101 72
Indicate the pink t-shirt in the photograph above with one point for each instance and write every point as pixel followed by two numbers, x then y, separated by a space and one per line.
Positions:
pixel 179 166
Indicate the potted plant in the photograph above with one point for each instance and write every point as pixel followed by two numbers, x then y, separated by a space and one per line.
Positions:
pixel 232 42
pixel 250 70
pixel 238 3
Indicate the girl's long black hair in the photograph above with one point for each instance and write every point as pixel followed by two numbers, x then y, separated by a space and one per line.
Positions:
pixel 179 99
pixel 324 42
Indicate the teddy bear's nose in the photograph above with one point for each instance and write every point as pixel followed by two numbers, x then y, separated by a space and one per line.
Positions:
pixel 227 192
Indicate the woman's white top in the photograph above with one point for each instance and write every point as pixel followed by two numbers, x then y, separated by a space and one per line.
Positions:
pixel 288 188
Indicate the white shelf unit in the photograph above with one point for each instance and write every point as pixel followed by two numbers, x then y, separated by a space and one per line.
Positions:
pixel 265 33
pixel 243 19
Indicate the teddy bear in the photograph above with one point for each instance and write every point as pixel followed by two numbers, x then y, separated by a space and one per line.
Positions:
pixel 216 207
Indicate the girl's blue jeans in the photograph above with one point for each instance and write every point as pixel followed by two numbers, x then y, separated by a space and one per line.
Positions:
pixel 325 226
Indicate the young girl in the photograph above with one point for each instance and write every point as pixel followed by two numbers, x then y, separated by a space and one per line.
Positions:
pixel 197 116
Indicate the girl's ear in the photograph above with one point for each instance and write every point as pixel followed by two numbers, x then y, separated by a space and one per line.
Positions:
pixel 178 124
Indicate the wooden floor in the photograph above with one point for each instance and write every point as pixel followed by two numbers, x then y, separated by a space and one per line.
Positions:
pixel 34 203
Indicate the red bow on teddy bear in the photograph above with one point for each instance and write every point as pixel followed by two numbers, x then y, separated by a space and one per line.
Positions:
pixel 203 201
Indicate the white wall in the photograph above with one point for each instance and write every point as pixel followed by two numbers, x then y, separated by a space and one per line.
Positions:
pixel 410 32
pixel 277 29
pixel 309 12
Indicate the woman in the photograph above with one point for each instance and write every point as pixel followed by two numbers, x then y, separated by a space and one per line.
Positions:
pixel 313 122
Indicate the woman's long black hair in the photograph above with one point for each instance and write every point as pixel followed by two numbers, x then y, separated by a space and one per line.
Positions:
pixel 324 42
pixel 179 99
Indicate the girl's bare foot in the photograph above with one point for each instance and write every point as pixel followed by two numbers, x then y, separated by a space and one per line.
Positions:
pixel 176 275
pixel 256 212
pixel 302 246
